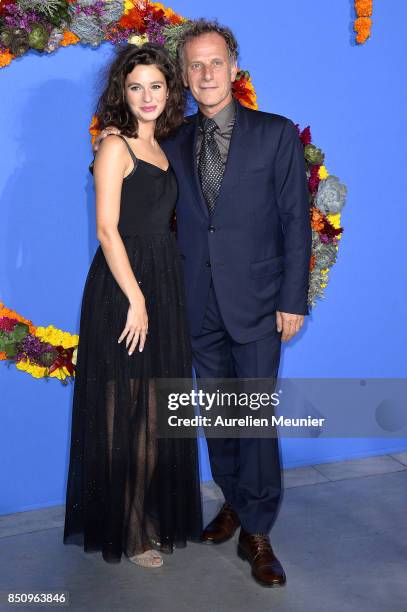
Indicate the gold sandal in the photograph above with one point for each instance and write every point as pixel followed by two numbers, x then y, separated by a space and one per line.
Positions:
pixel 149 558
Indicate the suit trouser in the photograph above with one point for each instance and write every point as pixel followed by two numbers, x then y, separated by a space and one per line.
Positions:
pixel 247 470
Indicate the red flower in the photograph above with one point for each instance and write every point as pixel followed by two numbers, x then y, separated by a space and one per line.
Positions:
pixel 7 324
pixel 157 13
pixel 305 136
pixel 4 5
pixel 134 20
pixel 64 360
pixel 331 231
pixel 242 92
pixel 314 179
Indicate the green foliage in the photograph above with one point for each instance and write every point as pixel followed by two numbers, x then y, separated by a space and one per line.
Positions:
pixel 55 11
pixel 172 35
pixel 9 341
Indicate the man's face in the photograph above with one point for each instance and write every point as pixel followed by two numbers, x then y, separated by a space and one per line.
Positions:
pixel 208 71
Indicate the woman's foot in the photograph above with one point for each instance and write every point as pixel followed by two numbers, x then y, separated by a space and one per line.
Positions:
pixel 149 558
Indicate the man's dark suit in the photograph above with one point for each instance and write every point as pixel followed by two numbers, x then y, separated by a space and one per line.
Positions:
pixel 249 259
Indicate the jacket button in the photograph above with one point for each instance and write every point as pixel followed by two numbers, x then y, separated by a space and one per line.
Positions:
pixel 208 264
pixel 211 229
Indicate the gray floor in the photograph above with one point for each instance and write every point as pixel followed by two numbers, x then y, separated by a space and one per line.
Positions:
pixel 341 535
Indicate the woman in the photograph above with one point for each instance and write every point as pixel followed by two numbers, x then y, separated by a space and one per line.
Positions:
pixel 130 492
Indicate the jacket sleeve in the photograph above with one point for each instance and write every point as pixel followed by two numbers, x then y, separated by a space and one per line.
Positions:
pixel 292 196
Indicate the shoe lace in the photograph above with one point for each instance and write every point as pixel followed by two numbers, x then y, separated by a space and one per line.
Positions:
pixel 261 539
pixel 262 543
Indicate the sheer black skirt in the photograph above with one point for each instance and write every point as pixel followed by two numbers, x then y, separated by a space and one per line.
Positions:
pixel 129 490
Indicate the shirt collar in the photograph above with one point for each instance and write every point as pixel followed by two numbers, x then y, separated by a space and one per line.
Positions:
pixel 224 117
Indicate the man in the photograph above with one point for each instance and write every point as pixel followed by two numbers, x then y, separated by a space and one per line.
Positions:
pixel 245 239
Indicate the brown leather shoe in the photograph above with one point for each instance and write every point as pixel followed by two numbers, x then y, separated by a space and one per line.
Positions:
pixel 266 568
pixel 223 526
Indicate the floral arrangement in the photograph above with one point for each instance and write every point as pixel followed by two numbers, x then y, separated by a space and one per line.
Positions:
pixel 45 25
pixel 327 198
pixel 43 352
pixel 363 21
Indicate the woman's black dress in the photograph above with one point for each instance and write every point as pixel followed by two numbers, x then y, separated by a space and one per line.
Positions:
pixel 129 490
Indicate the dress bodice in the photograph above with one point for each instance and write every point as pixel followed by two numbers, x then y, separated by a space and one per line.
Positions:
pixel 148 198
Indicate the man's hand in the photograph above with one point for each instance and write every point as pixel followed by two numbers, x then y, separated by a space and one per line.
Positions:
pixel 289 324
pixel 110 129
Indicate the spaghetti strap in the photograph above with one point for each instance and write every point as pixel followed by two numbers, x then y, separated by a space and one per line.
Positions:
pixel 130 150
pixel 132 155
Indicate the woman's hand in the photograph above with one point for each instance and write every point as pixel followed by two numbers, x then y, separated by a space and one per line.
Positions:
pixel 136 325
pixel 108 130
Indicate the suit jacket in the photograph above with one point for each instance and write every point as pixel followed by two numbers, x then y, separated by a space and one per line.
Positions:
pixel 257 245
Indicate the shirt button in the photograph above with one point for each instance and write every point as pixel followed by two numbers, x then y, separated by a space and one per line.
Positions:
pixel 211 229
pixel 208 264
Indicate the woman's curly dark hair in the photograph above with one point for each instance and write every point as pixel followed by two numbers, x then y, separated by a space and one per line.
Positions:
pixel 112 108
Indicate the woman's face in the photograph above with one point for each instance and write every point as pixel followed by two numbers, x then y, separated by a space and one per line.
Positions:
pixel 146 92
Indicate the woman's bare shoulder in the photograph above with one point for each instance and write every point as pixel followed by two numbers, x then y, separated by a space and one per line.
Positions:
pixel 112 152
pixel 113 144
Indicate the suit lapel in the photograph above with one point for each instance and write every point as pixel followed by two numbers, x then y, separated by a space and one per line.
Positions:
pixel 191 171
pixel 238 148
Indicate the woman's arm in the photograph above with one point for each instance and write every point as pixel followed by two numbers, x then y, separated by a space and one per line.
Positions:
pixel 111 164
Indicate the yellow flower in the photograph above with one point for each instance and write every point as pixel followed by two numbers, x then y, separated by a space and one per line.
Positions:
pixel 335 220
pixel 41 372
pixel 135 39
pixel 128 5
pixel 60 373
pixel 35 370
pixel 56 337
pixel 323 173
pixel 325 274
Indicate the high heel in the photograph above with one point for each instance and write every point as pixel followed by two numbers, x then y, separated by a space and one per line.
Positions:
pixel 149 558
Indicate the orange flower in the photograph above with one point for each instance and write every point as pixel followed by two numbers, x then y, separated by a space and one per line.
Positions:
pixel 94 128
pixel 158 11
pixel 312 263
pixel 174 18
pixel 3 356
pixel 317 222
pixel 362 27
pixel 69 39
pixel 364 8
pixel 11 314
pixel 363 23
pixel 5 58
pixel 243 91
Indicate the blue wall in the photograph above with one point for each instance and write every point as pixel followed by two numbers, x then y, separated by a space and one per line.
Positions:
pixel 304 65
